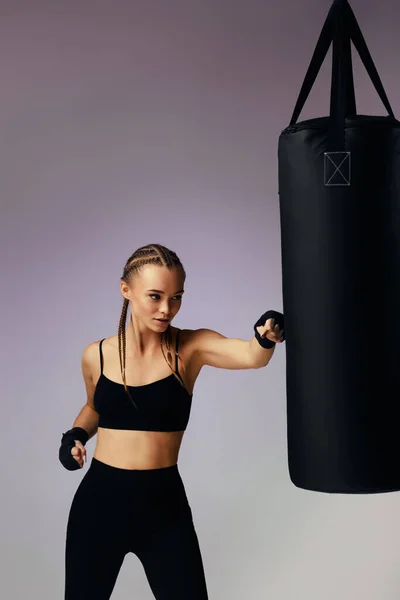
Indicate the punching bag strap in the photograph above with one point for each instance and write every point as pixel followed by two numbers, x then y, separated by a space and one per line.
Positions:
pixel 343 101
pixel 320 52
pixel 340 22
pixel 362 49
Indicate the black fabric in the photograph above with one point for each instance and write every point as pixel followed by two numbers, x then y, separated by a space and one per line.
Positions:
pixel 116 511
pixel 67 443
pixel 339 190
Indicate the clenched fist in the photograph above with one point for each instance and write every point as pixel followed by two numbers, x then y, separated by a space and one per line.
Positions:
pixel 269 329
pixel 72 453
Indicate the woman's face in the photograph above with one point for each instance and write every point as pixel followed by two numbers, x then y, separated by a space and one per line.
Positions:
pixel 156 293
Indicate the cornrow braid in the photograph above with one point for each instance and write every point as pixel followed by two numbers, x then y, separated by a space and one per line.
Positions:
pixel 152 254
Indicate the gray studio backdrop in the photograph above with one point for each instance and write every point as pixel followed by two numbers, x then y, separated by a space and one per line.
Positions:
pixel 130 122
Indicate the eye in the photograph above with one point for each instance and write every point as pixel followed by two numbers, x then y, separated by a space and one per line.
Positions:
pixel 157 297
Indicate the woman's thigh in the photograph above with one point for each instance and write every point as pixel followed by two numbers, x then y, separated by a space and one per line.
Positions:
pixel 95 546
pixel 173 563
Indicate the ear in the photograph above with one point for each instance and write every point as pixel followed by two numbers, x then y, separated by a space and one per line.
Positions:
pixel 125 290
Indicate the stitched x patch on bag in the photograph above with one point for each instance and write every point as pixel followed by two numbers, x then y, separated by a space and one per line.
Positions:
pixel 337 168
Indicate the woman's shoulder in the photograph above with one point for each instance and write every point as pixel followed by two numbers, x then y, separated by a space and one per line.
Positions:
pixel 91 351
pixel 188 341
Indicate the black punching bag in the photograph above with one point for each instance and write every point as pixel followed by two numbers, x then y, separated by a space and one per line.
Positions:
pixel 339 194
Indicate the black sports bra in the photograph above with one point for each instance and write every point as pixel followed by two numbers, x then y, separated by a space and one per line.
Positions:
pixel 163 405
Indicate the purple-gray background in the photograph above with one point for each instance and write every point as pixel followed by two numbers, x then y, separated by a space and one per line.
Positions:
pixel 130 122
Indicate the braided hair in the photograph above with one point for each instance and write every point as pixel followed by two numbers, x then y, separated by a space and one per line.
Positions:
pixel 152 254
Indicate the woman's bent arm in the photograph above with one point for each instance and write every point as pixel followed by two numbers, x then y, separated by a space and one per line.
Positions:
pixel 88 419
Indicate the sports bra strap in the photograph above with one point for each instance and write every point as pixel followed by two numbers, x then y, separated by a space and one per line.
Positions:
pixel 101 356
pixel 176 354
pixel 176 359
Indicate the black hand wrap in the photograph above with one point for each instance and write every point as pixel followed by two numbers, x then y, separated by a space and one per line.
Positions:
pixel 270 314
pixel 67 443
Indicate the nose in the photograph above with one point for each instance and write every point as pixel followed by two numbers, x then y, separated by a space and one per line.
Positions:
pixel 165 309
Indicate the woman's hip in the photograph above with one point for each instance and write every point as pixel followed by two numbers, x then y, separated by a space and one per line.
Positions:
pixel 131 492
pixel 115 506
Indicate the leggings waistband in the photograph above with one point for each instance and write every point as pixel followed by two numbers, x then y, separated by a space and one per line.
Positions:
pixel 101 468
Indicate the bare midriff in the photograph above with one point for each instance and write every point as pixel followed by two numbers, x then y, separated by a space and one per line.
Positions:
pixel 138 449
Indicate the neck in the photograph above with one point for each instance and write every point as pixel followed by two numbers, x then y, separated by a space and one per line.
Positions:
pixel 142 341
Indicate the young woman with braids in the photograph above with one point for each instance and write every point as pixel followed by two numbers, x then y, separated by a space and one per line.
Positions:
pixel 139 394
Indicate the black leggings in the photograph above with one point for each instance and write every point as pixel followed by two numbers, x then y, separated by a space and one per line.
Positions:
pixel 116 511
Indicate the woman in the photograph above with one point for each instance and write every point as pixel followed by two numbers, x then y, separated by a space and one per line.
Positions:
pixel 139 393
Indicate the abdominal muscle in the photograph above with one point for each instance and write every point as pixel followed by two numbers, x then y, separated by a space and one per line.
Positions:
pixel 138 449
